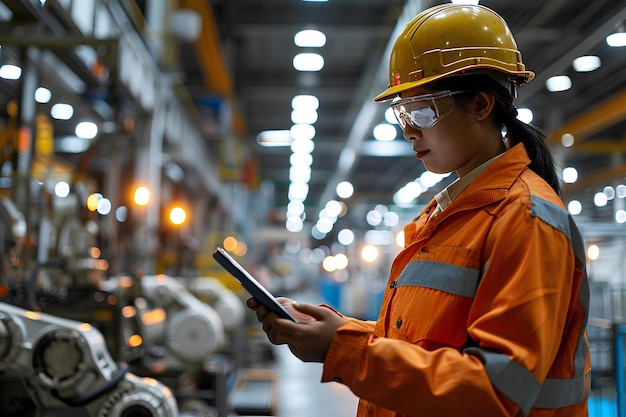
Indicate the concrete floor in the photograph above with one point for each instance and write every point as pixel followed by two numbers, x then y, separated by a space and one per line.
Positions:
pixel 301 394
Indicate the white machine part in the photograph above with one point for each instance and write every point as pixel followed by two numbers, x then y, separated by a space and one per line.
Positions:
pixel 193 330
pixel 228 305
pixel 64 364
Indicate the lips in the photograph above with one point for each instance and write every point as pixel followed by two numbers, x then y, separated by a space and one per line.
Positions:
pixel 420 154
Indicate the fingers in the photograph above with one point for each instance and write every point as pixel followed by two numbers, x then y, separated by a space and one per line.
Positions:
pixel 315 311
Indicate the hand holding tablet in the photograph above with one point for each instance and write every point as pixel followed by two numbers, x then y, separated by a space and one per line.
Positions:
pixel 250 284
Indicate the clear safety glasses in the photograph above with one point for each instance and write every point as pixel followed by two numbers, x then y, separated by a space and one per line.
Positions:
pixel 422 112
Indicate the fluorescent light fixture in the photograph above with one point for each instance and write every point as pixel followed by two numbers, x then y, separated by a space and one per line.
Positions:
pixel 390 117
pixel 307 61
pixel 567 140
pixel 558 83
pixel 305 101
pixel 385 132
pixel 570 175
pixel 86 130
pixel 71 144
pixel 302 115
pixel 302 145
pixel 616 39
pixel 42 95
pixel 309 38
pixel 10 72
pixel 525 115
pixel 302 131
pixel 62 111
pixel 300 174
pixel 272 138
pixel 301 159
pixel 386 149
pixel 586 63
pixel 344 189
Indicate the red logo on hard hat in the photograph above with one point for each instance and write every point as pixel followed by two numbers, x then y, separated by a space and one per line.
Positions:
pixel 397 76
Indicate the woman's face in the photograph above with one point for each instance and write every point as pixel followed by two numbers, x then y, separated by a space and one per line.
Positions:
pixel 454 143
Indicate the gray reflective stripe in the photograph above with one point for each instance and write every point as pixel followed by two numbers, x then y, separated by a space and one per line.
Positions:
pixel 452 279
pixel 509 377
pixel 561 220
pixel 558 393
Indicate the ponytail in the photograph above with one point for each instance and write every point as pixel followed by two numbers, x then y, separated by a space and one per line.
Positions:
pixel 534 141
pixel 542 161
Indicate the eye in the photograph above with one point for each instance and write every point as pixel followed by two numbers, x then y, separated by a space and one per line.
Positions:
pixel 423 116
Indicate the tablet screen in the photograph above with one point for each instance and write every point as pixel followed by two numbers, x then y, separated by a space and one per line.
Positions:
pixel 251 285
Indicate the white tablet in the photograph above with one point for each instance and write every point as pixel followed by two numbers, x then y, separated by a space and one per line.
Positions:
pixel 250 284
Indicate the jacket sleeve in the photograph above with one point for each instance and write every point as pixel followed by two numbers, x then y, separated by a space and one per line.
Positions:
pixel 517 320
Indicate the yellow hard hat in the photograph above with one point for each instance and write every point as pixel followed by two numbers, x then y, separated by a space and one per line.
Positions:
pixel 452 39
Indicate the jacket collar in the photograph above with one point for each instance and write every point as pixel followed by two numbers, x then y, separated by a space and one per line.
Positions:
pixel 491 185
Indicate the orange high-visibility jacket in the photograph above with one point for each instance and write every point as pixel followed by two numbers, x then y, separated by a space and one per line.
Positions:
pixel 485 310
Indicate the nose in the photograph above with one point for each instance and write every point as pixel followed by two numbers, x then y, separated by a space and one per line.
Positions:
pixel 410 133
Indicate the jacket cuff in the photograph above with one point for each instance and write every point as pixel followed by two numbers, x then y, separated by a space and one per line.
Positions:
pixel 345 351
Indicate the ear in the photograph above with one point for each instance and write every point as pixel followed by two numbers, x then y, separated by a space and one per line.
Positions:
pixel 482 105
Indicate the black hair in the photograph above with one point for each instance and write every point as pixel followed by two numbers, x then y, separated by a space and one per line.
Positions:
pixel 542 161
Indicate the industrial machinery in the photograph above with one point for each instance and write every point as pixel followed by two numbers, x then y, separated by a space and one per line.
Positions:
pixel 51 366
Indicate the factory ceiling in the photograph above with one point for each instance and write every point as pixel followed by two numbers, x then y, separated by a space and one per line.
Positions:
pixel 241 81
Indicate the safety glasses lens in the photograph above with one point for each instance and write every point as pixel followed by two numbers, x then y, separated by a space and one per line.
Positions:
pixel 422 112
pixel 418 115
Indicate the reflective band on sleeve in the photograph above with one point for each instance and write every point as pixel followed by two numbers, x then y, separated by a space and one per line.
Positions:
pixel 558 393
pixel 452 279
pixel 561 220
pixel 509 377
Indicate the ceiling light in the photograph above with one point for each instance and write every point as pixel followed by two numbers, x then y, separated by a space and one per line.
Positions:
pixel 609 192
pixel 574 207
pixel 344 189
pixel 302 115
pixel 42 95
pixel 302 131
pixel 586 63
pixel 308 62
pixel 525 115
pixel 390 116
pixel 298 191
pixel 599 199
pixel 570 175
pixel 271 138
pixel 10 72
pixel 345 237
pixel 61 111
pixel 385 132
pixel 309 39
pixel 558 83
pixel 302 145
pixel 301 159
pixel 616 39
pixel 305 101
pixel 86 130
pixel 300 174
pixel 567 140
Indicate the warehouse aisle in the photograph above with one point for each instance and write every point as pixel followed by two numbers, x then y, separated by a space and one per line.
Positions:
pixel 301 394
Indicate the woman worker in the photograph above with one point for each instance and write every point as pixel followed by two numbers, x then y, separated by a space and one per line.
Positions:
pixel 486 306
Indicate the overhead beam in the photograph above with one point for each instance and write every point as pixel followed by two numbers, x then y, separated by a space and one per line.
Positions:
pixel 209 49
pixel 605 114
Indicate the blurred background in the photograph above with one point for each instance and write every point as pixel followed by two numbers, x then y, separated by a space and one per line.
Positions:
pixel 136 136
